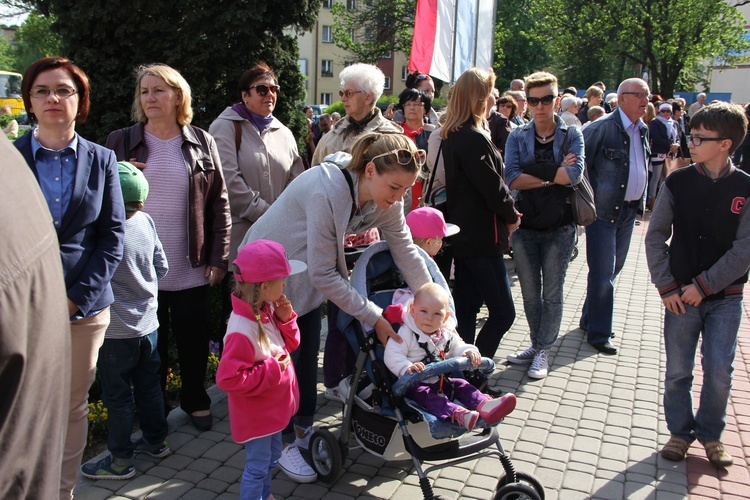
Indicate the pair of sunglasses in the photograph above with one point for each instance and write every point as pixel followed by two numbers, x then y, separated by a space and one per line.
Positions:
pixel 263 89
pixel 404 156
pixel 546 100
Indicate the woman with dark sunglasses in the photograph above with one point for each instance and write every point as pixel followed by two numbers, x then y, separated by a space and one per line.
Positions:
pixel 258 153
pixel 346 194
pixel 190 208
pixel 543 159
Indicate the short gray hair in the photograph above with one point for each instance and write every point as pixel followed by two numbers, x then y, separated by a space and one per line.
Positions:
pixel 366 77
pixel 567 102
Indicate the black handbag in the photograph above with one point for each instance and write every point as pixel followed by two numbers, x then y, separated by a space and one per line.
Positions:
pixel 582 199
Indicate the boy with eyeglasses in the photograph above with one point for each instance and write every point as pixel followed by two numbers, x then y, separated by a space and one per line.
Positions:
pixel 700 276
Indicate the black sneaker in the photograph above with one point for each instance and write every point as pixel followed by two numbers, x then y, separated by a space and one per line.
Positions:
pixel 155 450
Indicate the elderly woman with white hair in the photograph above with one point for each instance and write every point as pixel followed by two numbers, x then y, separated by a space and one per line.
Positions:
pixel 569 107
pixel 361 87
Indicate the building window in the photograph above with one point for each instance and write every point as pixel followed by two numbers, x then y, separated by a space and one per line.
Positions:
pixel 348 63
pixel 327 4
pixel 387 55
pixel 351 4
pixel 326 67
pixel 404 73
pixel 387 85
pixel 369 37
pixel 325 98
pixel 327 34
pixel 351 35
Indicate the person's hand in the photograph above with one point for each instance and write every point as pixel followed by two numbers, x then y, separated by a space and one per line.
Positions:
pixel 72 308
pixel 389 111
pixel 674 304
pixel 474 357
pixel 691 295
pixel 137 164
pixel 514 225
pixel 385 331
pixel 214 275
pixel 569 160
pixel 673 148
pixel 416 368
pixel 283 309
pixel 283 360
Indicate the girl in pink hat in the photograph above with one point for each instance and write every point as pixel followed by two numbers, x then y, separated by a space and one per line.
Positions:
pixel 255 370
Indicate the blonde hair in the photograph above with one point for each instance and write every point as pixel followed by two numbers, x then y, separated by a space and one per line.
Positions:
pixel 433 290
pixel 594 92
pixel 372 144
pixel 468 100
pixel 540 79
pixel 174 79
pixel 250 293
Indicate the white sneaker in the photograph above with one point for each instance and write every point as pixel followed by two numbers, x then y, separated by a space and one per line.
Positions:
pixel 522 357
pixel 303 441
pixel 538 368
pixel 294 465
pixel 333 394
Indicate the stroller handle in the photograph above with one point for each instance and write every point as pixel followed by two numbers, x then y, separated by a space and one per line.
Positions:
pixel 462 363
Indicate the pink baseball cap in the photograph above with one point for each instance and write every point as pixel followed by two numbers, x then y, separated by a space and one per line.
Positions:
pixel 427 222
pixel 264 260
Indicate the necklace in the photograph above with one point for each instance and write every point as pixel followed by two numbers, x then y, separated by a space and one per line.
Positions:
pixel 543 137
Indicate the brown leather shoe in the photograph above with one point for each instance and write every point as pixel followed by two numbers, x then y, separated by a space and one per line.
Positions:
pixel 675 449
pixel 717 454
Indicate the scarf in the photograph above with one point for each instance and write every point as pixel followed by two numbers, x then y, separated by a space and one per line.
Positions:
pixel 260 122
pixel 671 129
pixel 356 127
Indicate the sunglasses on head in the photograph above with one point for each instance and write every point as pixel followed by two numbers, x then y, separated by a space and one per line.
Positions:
pixel 546 100
pixel 263 89
pixel 405 156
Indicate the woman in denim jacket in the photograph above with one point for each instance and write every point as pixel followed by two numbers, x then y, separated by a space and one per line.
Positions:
pixel 543 159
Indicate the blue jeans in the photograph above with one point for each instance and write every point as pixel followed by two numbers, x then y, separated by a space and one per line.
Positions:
pixel 483 280
pixel 542 259
pixel 717 322
pixel 261 457
pixel 122 362
pixel 607 247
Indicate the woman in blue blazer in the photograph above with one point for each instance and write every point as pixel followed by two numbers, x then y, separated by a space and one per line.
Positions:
pixel 80 182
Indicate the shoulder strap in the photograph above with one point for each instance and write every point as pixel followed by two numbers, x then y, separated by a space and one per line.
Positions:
pixel 426 195
pixel 126 143
pixel 237 136
pixel 348 177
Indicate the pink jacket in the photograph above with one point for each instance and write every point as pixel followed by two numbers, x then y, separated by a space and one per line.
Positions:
pixel 261 397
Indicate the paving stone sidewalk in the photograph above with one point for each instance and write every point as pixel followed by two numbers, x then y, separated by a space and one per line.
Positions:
pixel 591 429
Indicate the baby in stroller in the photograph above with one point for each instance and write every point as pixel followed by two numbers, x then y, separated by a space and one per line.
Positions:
pixel 428 334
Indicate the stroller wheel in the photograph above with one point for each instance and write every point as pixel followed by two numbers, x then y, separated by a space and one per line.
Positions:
pixel 516 491
pixel 526 479
pixel 326 455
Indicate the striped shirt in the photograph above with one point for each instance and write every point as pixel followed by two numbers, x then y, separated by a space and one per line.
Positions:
pixel 135 282
pixel 167 204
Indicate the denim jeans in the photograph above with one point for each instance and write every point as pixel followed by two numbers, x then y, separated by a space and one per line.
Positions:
pixel 542 259
pixel 261 457
pixel 186 313
pixel 123 362
pixel 716 322
pixel 305 360
pixel 658 175
pixel 483 280
pixel 607 247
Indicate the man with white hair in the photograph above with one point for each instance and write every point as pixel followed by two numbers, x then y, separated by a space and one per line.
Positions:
pixel 361 87
pixel 616 154
pixel 697 105
pixel 517 84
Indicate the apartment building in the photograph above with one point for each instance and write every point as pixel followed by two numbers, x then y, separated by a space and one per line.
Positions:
pixel 734 80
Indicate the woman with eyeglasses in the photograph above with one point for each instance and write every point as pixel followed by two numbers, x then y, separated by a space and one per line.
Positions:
pixel 415 105
pixel 258 153
pixel 361 87
pixel 423 83
pixel 348 193
pixel 479 200
pixel 80 182
pixel 508 107
pixel 189 205
pixel 543 159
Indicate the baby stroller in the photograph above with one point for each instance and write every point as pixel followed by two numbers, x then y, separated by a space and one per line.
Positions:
pixel 387 425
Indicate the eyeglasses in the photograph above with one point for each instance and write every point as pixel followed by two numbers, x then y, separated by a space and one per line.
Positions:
pixel 413 104
pixel 546 100
pixel 506 106
pixel 349 93
pixel 697 141
pixel 43 93
pixel 639 95
pixel 405 156
pixel 262 89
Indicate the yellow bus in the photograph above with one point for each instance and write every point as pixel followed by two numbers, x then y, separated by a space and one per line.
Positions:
pixel 10 91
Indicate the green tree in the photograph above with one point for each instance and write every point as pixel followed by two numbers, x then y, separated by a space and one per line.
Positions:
pixel 521 43
pixel 7 59
pixel 35 39
pixel 211 42
pixel 379 27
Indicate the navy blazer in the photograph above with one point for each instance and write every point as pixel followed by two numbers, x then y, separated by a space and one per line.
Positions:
pixel 92 228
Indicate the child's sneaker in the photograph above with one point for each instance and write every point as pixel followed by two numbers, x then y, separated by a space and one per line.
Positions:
pixel 109 468
pixel 493 410
pixel 522 357
pixel 333 394
pixel 294 465
pixel 465 418
pixel 155 450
